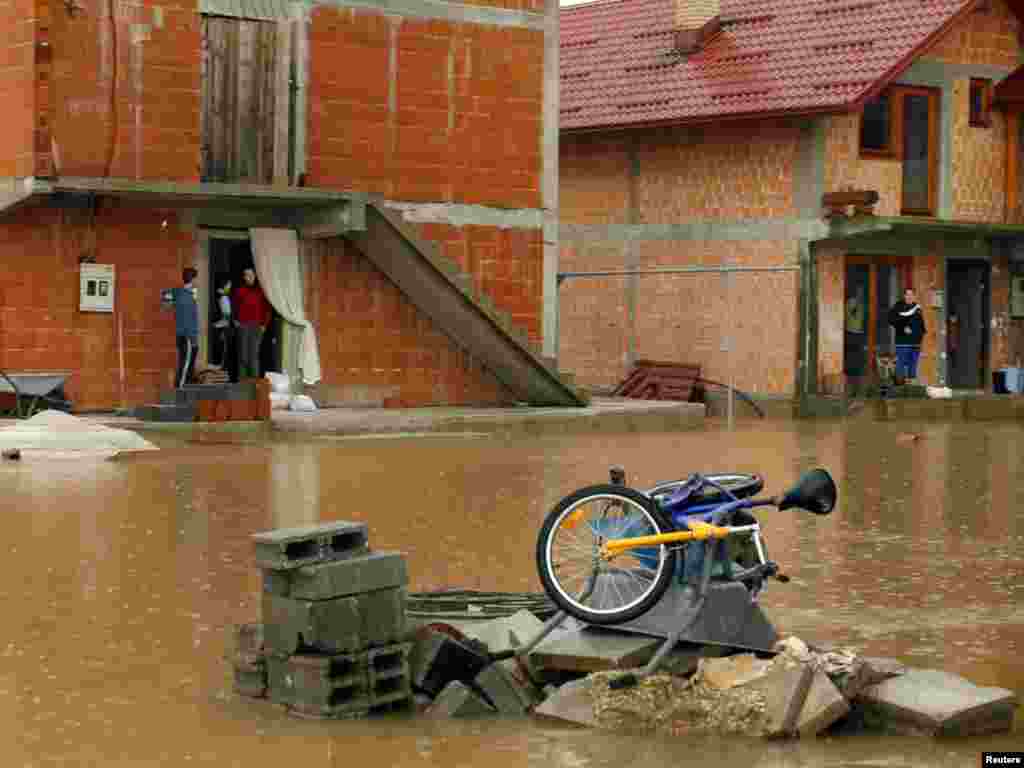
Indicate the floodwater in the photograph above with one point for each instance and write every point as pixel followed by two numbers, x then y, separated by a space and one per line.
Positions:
pixel 122 580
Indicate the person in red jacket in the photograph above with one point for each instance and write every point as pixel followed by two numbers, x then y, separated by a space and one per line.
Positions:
pixel 252 312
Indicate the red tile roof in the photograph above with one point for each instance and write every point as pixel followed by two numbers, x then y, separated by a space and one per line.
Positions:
pixel 618 65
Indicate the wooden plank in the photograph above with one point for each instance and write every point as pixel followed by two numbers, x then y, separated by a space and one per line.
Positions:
pixel 268 108
pixel 282 102
pixel 244 149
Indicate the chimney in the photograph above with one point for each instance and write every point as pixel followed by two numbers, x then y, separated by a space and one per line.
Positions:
pixel 697 21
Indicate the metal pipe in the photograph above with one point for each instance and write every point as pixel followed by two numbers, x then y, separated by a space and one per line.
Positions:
pixel 562 276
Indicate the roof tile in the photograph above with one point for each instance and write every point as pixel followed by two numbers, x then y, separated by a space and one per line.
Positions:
pixel 619 65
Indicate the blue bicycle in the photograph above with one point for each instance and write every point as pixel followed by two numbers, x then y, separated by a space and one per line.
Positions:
pixel 607 553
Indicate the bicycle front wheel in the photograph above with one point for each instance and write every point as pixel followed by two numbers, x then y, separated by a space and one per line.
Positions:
pixel 583 582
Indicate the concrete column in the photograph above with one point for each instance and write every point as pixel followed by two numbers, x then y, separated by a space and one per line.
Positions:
pixel 300 19
pixel 549 179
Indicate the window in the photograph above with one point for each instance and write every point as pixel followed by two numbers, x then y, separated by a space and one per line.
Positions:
pixel 981 103
pixel 876 127
pixel 902 124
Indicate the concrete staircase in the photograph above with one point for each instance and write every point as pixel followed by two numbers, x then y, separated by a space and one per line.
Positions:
pixel 439 288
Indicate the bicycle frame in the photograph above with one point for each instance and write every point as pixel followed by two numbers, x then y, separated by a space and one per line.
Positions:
pixel 699 527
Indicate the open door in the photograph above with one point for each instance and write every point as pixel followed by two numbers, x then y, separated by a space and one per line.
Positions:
pixel 968 320
pixel 873 285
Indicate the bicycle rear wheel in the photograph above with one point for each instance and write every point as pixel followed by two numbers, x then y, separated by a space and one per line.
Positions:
pixel 583 583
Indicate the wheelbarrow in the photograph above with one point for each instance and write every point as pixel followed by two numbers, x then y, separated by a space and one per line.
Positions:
pixel 24 394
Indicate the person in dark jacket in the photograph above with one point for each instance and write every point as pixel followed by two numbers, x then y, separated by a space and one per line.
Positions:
pixel 252 313
pixel 907 318
pixel 186 325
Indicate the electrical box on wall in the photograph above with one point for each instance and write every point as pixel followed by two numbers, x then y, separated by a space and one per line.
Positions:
pixel 1017 296
pixel 97 288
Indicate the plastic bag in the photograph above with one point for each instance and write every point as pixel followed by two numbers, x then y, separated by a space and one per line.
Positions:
pixel 279 401
pixel 302 403
pixel 279 383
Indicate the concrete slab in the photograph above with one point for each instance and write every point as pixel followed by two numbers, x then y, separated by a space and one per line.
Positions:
pixel 937 703
pixel 505 633
pixel 288 548
pixel 785 690
pixel 594 650
pixel 356 574
pixel 508 694
pixel 603 415
pixel 571 703
pixel 458 700
pixel 823 706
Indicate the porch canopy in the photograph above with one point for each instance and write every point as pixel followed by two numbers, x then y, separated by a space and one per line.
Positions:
pixel 313 213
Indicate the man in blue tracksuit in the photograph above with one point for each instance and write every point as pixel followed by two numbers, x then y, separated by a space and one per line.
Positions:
pixel 186 324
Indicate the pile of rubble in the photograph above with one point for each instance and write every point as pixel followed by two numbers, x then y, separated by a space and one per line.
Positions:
pixel 335 642
pixel 803 691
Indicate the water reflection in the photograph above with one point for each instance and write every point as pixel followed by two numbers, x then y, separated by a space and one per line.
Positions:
pixel 124 579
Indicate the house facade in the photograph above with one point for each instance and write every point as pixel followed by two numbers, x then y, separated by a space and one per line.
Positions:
pixel 700 143
pixel 145 137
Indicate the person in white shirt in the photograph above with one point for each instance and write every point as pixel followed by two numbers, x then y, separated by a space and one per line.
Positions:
pixel 225 325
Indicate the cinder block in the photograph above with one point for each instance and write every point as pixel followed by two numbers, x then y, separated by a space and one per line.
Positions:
pixel 458 700
pixel 382 616
pixel 505 692
pixel 327 685
pixel 388 662
pixel 289 548
pixel 249 639
pixel 250 674
pixel 354 575
pixel 437 659
pixel 330 626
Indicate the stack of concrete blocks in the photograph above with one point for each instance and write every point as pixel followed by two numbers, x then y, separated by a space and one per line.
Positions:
pixel 334 626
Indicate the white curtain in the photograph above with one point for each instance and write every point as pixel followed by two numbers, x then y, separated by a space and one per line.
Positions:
pixel 276 256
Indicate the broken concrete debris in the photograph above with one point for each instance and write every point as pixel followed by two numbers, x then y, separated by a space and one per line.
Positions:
pixel 335 642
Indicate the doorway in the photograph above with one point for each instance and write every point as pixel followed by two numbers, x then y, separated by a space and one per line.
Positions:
pixel 229 258
pixel 968 316
pixel 873 285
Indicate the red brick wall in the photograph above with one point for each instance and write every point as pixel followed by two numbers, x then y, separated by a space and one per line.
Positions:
pixel 506 265
pixel 41 327
pixel 684 318
pixel 151 117
pixel 465 125
pixel 726 174
pixel 377 348
pixel 17 87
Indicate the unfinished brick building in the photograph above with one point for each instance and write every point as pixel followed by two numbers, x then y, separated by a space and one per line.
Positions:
pixel 706 133
pixel 409 145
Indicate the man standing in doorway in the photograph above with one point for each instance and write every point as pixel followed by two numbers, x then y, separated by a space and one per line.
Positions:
pixel 186 324
pixel 908 319
pixel 252 311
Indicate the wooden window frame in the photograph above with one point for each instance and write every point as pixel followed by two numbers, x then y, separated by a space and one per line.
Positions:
pixel 892 151
pixel 934 107
pixel 984 120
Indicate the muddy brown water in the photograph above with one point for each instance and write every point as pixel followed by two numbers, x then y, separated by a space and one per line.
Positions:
pixel 122 580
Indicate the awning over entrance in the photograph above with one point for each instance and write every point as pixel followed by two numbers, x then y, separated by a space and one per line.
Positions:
pixel 842 228
pixel 312 212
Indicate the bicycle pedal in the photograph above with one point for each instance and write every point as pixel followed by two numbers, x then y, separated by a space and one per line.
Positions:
pixel 625 681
